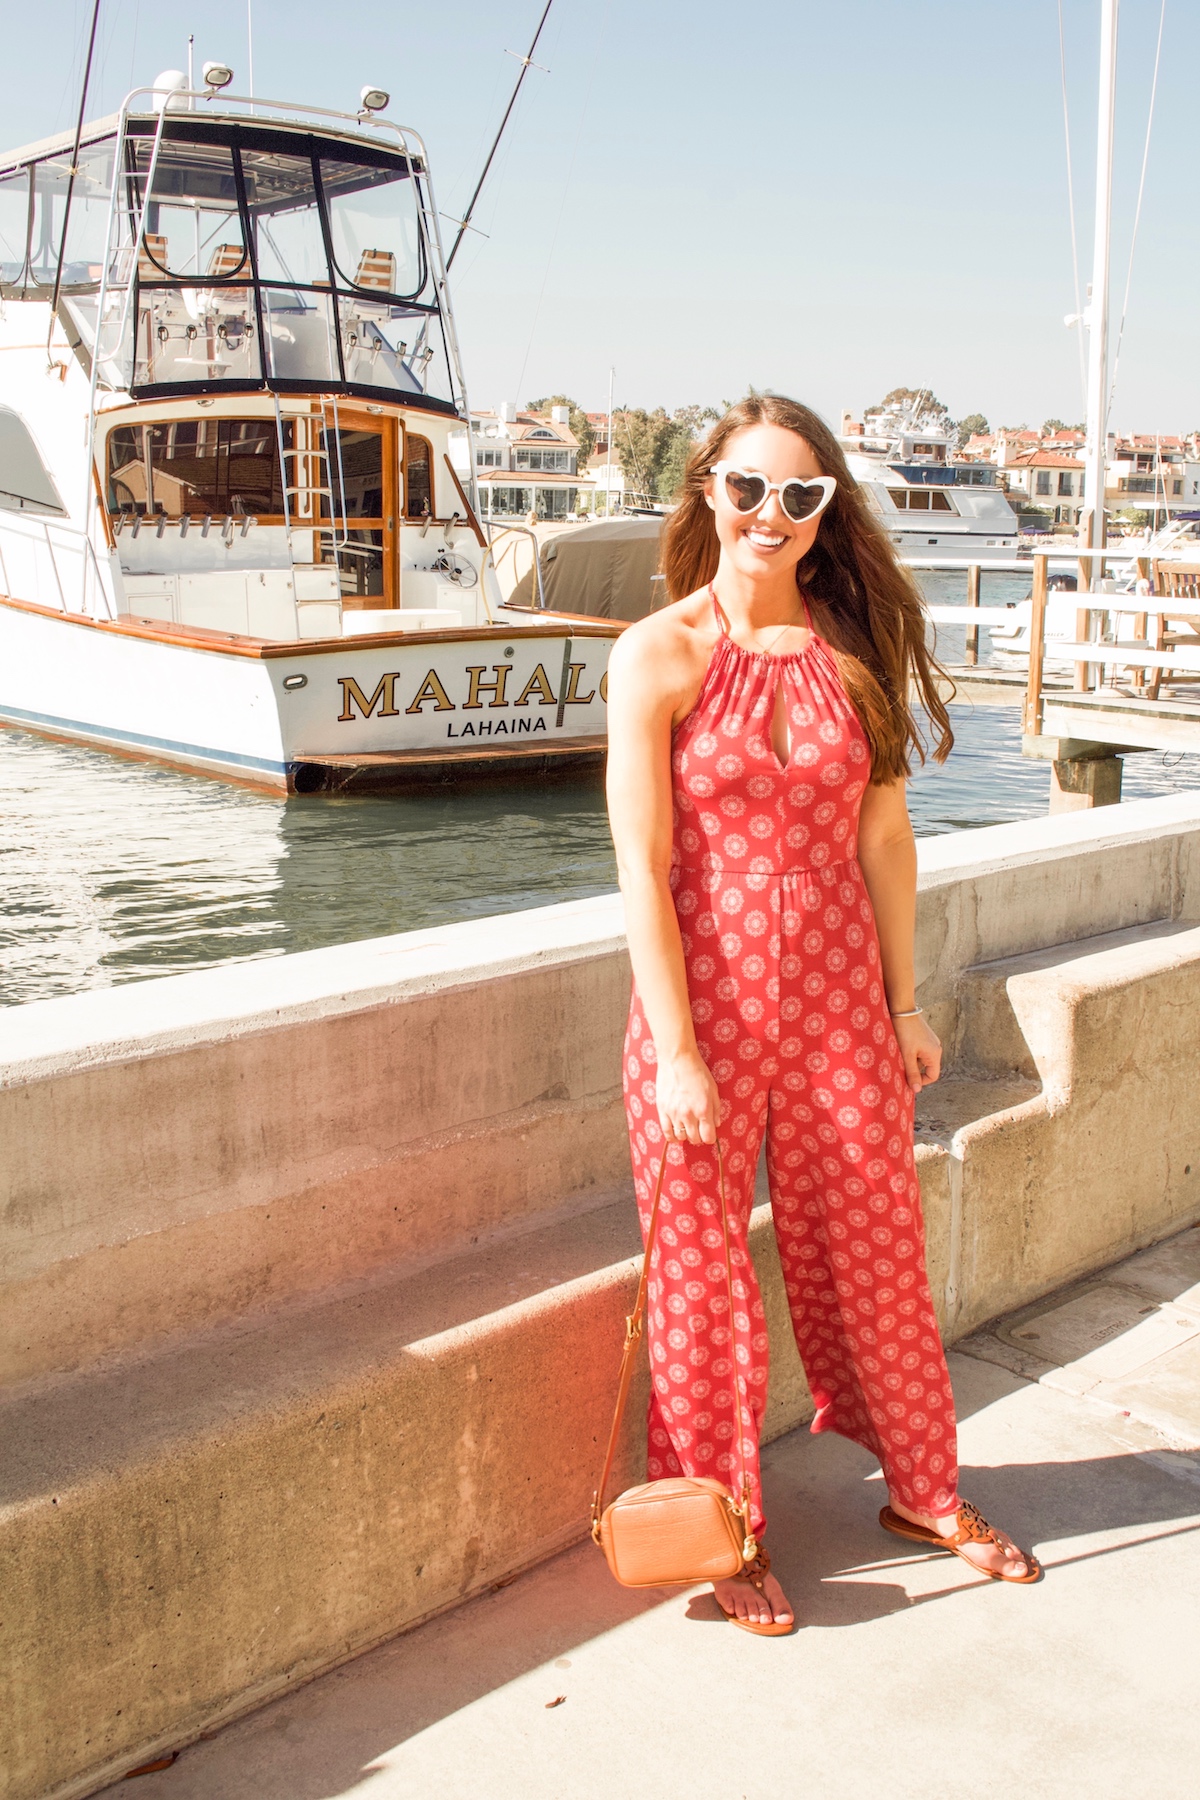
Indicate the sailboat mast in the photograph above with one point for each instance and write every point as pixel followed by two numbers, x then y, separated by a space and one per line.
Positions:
pixel 1095 453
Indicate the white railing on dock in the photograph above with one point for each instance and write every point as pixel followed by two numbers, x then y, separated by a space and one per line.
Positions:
pixel 1090 649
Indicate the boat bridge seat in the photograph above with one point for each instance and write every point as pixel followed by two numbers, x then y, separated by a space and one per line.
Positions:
pixel 226 259
pixel 377 269
pixel 152 256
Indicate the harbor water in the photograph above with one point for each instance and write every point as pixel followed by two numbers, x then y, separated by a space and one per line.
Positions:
pixel 113 870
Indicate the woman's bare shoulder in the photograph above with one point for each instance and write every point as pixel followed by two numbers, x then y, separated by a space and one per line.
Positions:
pixel 684 630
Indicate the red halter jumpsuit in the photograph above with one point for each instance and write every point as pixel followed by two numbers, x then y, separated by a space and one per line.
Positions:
pixel 784 978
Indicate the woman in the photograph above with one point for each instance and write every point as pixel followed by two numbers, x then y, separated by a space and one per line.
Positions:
pixel 759 738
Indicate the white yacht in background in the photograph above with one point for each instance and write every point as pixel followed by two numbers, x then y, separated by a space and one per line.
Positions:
pixel 231 535
pixel 931 507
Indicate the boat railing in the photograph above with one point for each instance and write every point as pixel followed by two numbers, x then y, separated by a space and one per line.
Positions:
pixel 60 542
pixel 510 549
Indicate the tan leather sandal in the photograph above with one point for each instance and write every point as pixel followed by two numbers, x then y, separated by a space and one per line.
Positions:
pixel 756 1573
pixel 973 1528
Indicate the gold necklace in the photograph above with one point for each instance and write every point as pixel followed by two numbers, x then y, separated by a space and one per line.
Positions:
pixel 792 624
pixel 783 628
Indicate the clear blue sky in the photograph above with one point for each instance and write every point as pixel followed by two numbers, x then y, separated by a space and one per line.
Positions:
pixel 825 199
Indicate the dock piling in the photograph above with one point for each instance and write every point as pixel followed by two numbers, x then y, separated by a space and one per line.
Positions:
pixel 973 586
pixel 1031 724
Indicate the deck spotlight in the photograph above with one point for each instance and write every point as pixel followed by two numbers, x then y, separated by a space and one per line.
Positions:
pixel 217 75
pixel 374 99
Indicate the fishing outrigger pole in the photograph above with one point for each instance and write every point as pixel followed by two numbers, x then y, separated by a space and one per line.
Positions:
pixel 527 63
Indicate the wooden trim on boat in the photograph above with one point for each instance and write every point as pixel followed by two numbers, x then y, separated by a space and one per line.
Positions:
pixel 472 521
pixel 190 637
pixel 227 643
pixel 455 634
pixel 615 626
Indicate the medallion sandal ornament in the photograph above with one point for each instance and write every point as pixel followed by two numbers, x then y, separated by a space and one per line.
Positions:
pixel 681 1530
pixel 973 1528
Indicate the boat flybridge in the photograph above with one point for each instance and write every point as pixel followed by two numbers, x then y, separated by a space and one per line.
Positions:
pixel 933 508
pixel 232 536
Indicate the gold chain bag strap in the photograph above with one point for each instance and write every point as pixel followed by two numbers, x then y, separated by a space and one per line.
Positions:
pixel 681 1529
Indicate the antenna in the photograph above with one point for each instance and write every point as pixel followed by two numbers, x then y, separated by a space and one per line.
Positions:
pixel 1091 523
pixel 62 245
pixel 526 63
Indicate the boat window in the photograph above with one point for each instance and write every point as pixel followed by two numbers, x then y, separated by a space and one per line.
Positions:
pixel 359 556
pixel 193 224
pixel 88 226
pixel 196 334
pixel 373 227
pixel 265 254
pixel 14 226
pixel 301 334
pixel 289 244
pixel 356 474
pixel 920 500
pixel 26 485
pixel 196 467
pixel 418 477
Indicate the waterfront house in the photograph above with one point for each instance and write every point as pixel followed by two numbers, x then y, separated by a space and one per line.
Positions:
pixel 1050 481
pixel 525 462
pixel 1152 474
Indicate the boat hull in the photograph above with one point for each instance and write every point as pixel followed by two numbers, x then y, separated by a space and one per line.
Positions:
pixel 393 710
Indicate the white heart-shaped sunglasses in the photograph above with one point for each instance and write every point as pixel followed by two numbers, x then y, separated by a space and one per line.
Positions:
pixel 800 499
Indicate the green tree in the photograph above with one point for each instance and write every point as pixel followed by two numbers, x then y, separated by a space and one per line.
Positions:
pixel 578 421
pixel 638 438
pixel 974 425
pixel 1050 426
pixel 687 426
pixel 654 447
pixel 923 402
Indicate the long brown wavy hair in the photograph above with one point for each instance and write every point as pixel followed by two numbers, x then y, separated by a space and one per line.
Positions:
pixel 864 603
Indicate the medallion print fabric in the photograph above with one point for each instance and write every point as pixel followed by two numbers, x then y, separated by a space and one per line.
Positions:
pixel 791 1017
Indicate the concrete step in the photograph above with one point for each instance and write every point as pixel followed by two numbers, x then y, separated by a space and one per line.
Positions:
pixel 1105 1156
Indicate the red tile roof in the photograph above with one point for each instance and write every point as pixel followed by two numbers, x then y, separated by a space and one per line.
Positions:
pixel 1044 459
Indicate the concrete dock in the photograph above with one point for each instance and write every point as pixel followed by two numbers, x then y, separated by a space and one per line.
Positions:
pixel 908 1677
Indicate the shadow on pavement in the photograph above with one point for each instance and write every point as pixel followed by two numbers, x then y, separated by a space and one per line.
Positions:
pixel 838 1568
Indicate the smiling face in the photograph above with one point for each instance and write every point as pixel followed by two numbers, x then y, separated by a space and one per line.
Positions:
pixel 765 544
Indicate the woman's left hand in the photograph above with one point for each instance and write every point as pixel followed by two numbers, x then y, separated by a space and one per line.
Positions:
pixel 921 1050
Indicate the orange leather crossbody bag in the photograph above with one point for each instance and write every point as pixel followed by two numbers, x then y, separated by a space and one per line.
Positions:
pixel 683 1529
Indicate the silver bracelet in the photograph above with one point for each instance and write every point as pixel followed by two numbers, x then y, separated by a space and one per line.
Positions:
pixel 914 1013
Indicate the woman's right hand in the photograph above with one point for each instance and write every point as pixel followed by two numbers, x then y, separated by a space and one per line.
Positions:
pixel 688 1102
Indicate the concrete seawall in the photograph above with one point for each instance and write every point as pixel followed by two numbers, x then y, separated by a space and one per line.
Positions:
pixel 312 1271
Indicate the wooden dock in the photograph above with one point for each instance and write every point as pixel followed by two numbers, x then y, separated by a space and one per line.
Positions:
pixel 1125 650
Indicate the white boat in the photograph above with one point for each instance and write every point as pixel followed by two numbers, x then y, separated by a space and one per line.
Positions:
pixel 231 536
pixel 932 508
